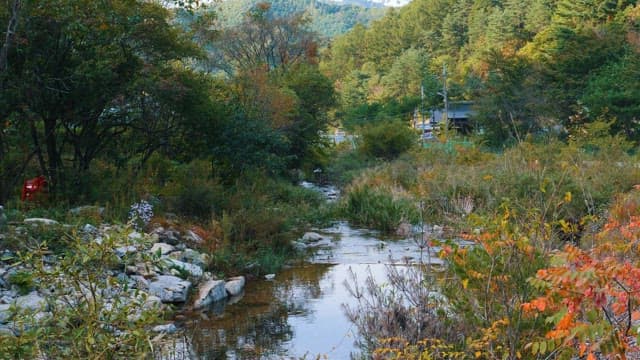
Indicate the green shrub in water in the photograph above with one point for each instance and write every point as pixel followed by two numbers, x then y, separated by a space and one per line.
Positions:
pixel 377 208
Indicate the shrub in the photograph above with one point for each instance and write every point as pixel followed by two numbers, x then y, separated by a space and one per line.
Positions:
pixel 84 322
pixel 377 208
pixel 387 140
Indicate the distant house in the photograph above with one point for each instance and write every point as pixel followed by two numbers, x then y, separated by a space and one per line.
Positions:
pixel 459 115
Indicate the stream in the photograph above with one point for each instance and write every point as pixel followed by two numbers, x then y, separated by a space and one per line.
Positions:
pixel 299 314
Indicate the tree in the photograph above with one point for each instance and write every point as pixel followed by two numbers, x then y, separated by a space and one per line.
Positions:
pixel 265 40
pixel 72 72
pixel 613 92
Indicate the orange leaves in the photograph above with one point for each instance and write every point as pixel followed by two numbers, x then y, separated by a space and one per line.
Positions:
pixel 566 322
pixel 539 304
pixel 589 294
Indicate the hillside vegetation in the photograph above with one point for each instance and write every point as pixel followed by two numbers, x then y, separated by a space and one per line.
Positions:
pixel 530 66
pixel 125 103
pixel 327 19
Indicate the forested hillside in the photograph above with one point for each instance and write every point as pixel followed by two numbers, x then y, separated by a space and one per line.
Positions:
pixel 530 66
pixel 325 18
pixel 148 148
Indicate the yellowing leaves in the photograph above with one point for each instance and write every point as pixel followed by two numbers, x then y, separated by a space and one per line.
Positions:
pixel 465 283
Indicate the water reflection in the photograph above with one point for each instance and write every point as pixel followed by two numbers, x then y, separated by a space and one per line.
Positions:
pixel 300 312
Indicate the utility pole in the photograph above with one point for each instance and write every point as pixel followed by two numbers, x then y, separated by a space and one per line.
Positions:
pixel 446 99
pixel 422 113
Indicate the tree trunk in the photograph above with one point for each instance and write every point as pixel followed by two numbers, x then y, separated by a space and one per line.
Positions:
pixel 8 41
pixel 53 156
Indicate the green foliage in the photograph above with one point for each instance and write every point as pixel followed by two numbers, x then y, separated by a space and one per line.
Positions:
pixel 612 93
pixel 387 140
pixel 86 325
pixel 377 208
pixel 327 19
pixel 23 280
pixel 496 267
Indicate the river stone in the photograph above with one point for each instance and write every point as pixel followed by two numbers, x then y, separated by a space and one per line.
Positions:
pixel 152 302
pixel 6 331
pixel 166 328
pixel 193 270
pixel 143 269
pixel 170 289
pixel 312 237
pixel 40 221
pixel 140 282
pixel 235 285
pixel 209 292
pixel 194 257
pixel 134 235
pixel 125 250
pixel 270 276
pixel 32 301
pixel 5 313
pixel 193 237
pixel 164 248
pixel 169 236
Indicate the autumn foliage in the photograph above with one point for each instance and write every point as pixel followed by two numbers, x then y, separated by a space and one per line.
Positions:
pixel 592 296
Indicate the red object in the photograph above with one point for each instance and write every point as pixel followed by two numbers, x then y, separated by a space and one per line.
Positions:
pixel 32 187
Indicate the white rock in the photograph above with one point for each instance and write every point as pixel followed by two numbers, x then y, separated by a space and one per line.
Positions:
pixel 193 270
pixel 89 229
pixel 33 301
pixel 166 328
pixel 5 313
pixel 40 221
pixel 6 331
pixel 235 285
pixel 140 282
pixel 194 257
pixel 209 292
pixel 193 237
pixel 312 237
pixel 170 289
pixel 125 250
pixel 152 302
pixel 164 248
pixel 135 235
pixel 270 276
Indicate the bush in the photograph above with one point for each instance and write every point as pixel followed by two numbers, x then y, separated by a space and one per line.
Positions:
pixel 377 208
pixel 387 140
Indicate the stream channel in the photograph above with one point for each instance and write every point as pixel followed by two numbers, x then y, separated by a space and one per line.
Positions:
pixel 299 313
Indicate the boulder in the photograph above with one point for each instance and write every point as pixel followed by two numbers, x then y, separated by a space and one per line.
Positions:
pixel 32 301
pixel 193 270
pixel 7 331
pixel 161 247
pixel 142 269
pixel 40 221
pixel 5 313
pixel 193 238
pixel 312 237
pixel 125 250
pixel 134 235
pixel 166 328
pixel 209 292
pixel 194 257
pixel 235 285
pixel 169 236
pixel 140 282
pixel 170 289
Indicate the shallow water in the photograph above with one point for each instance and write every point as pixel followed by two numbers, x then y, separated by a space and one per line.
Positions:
pixel 299 313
